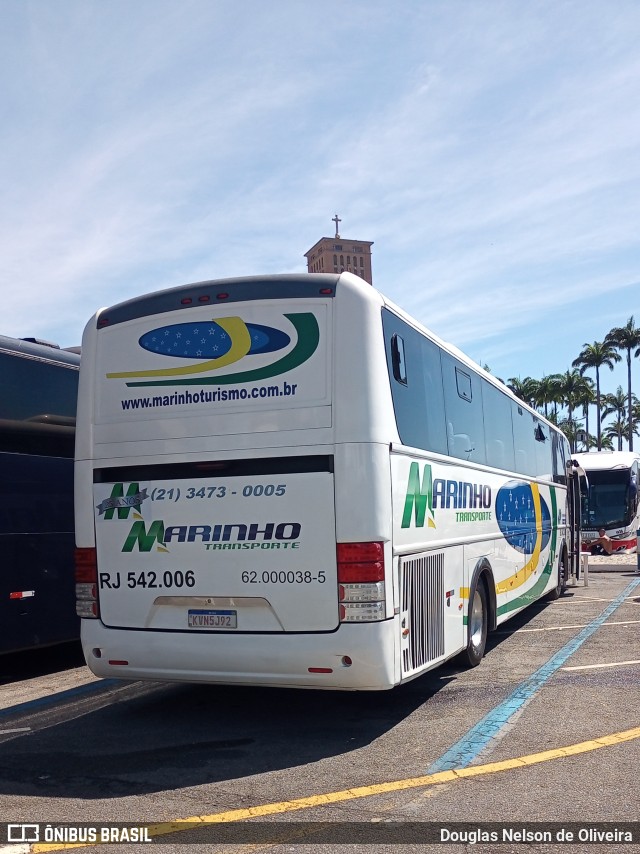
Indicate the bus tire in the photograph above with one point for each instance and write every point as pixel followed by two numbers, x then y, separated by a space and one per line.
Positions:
pixel 477 624
pixel 560 587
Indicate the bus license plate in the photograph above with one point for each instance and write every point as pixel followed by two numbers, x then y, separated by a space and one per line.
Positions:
pixel 213 619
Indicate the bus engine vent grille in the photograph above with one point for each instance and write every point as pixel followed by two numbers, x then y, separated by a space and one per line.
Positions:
pixel 422 580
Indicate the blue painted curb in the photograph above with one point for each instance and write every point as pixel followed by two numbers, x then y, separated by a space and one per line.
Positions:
pixel 463 752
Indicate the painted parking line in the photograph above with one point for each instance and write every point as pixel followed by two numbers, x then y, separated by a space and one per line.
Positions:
pixel 434 777
pixel 471 745
pixel 579 600
pixel 564 628
pixel 598 666
pixel 283 807
pixel 61 697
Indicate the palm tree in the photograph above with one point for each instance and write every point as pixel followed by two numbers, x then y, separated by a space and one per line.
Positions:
pixel 574 388
pixel 596 356
pixel 617 430
pixel 616 404
pixel 586 398
pixel 548 392
pixel 525 389
pixel 607 443
pixel 626 338
pixel 569 428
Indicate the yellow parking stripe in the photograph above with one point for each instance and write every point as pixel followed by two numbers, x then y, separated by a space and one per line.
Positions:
pixel 163 828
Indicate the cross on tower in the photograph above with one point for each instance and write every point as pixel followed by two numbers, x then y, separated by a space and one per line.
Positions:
pixel 336 219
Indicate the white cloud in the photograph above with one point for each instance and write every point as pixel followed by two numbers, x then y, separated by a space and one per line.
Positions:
pixel 489 150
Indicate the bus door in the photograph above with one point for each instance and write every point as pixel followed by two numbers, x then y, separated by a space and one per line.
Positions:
pixel 577 489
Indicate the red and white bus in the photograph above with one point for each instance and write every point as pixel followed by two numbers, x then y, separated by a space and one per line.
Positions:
pixel 610 497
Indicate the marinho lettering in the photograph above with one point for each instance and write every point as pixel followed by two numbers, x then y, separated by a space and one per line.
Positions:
pixel 231 533
pixel 426 494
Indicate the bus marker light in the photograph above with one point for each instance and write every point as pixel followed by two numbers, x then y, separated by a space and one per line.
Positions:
pixel 222 296
pixel 86 564
pixel 352 573
pixel 116 661
pixel 359 552
pixel 186 301
pixel 346 661
pixel 361 586
pixel 320 669
pixel 22 594
pixel 373 592
pixel 86 583
pixel 204 298
pixel 362 612
pixel 86 608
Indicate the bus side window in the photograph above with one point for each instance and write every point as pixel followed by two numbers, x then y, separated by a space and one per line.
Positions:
pixel 522 461
pixel 398 359
pixel 498 429
pixel 496 454
pixel 460 444
pixel 524 440
pixel 463 408
pixel 559 458
pixel 544 451
pixel 633 488
pixel 418 405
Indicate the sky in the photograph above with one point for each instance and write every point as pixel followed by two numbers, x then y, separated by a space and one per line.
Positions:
pixel 490 149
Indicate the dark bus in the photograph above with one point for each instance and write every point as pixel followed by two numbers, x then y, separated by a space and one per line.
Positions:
pixel 38 394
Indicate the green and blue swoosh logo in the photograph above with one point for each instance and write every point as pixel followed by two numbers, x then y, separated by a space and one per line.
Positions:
pixel 220 343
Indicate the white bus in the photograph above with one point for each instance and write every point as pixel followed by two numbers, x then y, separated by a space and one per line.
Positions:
pixel 610 499
pixel 287 481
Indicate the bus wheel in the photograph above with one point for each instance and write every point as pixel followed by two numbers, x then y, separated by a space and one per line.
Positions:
pixel 478 625
pixel 558 590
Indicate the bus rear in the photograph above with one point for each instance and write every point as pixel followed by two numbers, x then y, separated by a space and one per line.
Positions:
pixel 212 540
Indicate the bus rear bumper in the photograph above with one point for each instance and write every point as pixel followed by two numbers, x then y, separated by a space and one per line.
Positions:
pixel 355 657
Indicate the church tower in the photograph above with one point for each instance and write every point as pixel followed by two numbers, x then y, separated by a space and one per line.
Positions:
pixel 337 254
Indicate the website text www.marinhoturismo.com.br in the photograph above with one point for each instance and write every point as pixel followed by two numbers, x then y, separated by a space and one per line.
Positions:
pixel 206 396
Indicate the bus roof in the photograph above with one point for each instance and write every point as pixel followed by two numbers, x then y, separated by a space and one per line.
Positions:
pixel 34 350
pixel 217 291
pixel 602 460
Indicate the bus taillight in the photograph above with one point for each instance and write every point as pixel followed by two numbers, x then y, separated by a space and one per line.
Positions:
pixel 87 584
pixel 361 590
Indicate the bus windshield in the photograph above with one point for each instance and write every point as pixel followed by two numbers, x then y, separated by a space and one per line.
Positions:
pixel 606 504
